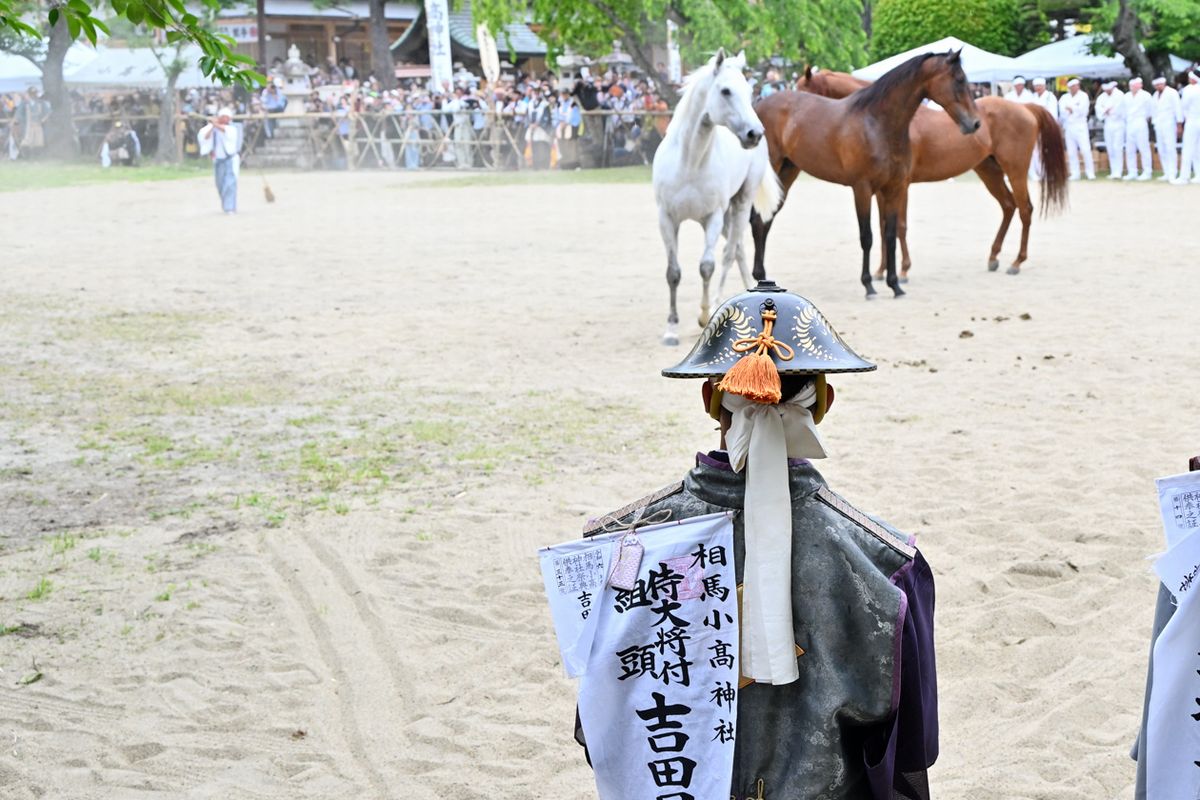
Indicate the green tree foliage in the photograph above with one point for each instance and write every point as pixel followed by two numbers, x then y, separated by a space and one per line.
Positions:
pixel 1161 27
pixel 828 32
pixel 1008 27
pixel 25 20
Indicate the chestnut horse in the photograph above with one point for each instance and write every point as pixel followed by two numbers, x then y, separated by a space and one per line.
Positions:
pixel 1002 148
pixel 862 141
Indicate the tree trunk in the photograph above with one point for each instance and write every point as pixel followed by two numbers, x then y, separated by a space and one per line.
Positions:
pixel 1125 42
pixel 1162 66
pixel 168 148
pixel 60 133
pixel 381 46
pixel 632 40
pixel 866 18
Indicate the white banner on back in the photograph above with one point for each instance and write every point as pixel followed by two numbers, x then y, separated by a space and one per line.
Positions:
pixel 1173 716
pixel 658 694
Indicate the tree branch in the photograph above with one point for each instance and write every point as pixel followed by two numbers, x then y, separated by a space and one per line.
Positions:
pixel 633 40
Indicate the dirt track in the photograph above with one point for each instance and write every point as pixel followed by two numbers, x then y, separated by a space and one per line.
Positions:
pixel 272 485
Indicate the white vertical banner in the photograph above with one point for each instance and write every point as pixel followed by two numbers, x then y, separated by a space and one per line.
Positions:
pixel 658 692
pixel 1173 714
pixel 437 30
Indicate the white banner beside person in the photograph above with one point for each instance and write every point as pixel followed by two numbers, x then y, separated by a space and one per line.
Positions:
pixel 658 694
pixel 1173 717
pixel 437 31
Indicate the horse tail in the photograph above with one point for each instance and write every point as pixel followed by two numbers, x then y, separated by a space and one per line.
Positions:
pixel 769 194
pixel 1054 161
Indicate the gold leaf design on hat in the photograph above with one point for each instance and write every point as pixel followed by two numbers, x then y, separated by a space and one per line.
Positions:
pixel 809 323
pixel 733 316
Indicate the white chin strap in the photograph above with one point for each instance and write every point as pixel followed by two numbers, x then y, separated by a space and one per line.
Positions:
pixel 760 440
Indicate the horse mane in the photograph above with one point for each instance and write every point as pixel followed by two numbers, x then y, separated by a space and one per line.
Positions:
pixel 687 96
pixel 873 94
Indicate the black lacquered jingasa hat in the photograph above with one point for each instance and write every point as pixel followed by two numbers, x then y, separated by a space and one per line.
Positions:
pixel 758 335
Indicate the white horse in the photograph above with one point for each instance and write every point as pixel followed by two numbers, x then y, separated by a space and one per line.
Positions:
pixel 710 167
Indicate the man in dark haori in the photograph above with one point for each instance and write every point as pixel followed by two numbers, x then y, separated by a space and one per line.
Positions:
pixel 839 697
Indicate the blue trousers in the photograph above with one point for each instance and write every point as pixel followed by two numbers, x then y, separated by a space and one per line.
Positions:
pixel 226 183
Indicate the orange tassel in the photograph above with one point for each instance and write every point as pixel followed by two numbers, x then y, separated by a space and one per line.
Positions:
pixel 754 377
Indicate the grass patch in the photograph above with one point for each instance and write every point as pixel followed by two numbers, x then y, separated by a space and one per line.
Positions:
pixel 41 590
pixel 61 543
pixel 636 174
pixel 26 175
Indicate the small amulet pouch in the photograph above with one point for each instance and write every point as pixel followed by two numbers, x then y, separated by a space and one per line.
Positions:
pixel 627 561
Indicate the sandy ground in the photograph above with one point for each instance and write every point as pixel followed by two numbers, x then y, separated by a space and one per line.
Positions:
pixel 272 485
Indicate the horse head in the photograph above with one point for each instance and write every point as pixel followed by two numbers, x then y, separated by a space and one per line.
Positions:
pixel 728 99
pixel 946 85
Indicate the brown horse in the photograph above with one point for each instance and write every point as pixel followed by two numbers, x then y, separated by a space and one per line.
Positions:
pixel 1001 149
pixel 862 141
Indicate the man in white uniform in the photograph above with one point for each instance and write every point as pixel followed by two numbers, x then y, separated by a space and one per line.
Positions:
pixel 221 140
pixel 1168 116
pixel 1190 104
pixel 1074 106
pixel 1018 93
pixel 1110 109
pixel 1048 101
pixel 1139 108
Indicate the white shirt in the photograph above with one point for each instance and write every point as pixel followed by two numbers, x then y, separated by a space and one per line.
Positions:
pixel 1048 101
pixel 1190 102
pixel 1167 110
pixel 1074 109
pixel 220 144
pixel 1139 107
pixel 1110 108
pixel 1025 96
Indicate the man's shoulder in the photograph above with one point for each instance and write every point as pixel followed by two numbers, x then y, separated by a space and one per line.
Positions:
pixel 887 535
pixel 618 516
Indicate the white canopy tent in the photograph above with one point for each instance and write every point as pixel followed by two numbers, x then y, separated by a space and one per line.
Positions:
pixel 18 73
pixel 137 68
pixel 1071 56
pixel 980 65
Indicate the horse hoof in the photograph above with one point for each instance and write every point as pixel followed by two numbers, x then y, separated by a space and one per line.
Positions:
pixel 993 265
pixel 904 279
pixel 898 293
pixel 871 295
pixel 1013 270
pixel 670 339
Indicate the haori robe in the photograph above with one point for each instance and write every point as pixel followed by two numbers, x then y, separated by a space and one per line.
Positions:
pixel 860 723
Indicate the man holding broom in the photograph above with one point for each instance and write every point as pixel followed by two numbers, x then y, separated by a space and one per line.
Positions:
pixel 221 140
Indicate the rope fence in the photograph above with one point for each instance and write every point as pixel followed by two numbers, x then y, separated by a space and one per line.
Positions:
pixel 473 139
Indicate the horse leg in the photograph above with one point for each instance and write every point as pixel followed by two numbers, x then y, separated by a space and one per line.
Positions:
pixel 669 229
pixel 712 233
pixel 758 229
pixel 1020 190
pixel 992 175
pixel 735 232
pixel 891 220
pixel 862 208
pixel 901 231
pixel 881 270
pixel 902 236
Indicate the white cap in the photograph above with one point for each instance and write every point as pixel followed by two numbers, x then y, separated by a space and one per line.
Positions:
pixel 1109 85
pixel 225 112
pixel 1158 80
pixel 1136 80
pixel 1073 82
pixel 1194 77
pixel 1018 81
pixel 1039 81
